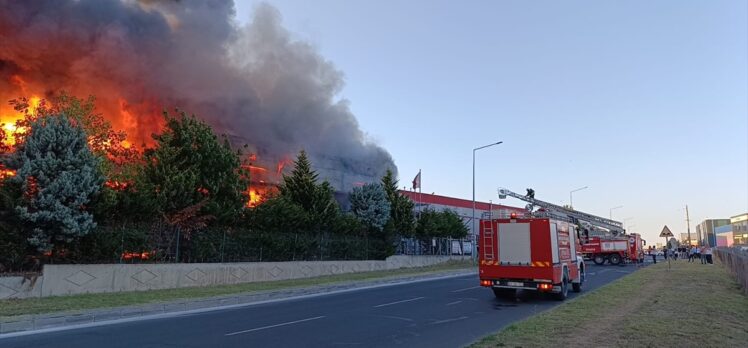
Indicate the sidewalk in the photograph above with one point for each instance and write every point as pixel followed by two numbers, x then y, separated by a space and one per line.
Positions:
pixel 18 323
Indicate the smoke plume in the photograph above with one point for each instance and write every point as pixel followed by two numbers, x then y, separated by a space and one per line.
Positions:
pixel 254 83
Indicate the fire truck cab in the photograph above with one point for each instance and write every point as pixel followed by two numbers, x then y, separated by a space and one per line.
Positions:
pixel 529 253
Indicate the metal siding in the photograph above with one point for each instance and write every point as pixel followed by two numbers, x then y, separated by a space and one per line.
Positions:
pixel 554 242
pixel 573 237
pixel 514 243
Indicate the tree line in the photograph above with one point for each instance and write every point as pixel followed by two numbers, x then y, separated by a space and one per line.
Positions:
pixel 73 192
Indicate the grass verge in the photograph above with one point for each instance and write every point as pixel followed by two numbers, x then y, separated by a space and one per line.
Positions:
pixel 92 301
pixel 689 305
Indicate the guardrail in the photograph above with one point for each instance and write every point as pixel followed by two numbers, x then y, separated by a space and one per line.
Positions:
pixel 736 262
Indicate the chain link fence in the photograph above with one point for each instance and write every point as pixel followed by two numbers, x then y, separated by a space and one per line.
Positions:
pixel 736 261
pixel 161 243
pixel 434 246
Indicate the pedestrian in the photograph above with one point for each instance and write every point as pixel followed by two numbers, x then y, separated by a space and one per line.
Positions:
pixel 708 254
pixel 653 252
pixel 692 253
pixel 697 254
pixel 702 255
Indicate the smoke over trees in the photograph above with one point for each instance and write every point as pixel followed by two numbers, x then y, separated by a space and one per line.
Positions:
pixel 252 82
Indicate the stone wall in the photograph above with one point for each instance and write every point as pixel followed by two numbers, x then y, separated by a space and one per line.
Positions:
pixel 60 280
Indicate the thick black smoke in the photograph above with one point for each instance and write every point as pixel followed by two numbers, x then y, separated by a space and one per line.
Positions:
pixel 254 83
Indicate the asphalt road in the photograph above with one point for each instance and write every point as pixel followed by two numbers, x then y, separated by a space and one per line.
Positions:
pixel 439 313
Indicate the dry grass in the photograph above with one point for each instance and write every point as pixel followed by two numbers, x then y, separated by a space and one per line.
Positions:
pixel 690 305
pixel 91 301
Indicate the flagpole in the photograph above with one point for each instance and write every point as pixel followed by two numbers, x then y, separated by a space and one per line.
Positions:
pixel 420 195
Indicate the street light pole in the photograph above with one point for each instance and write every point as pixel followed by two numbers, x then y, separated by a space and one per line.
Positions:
pixel 611 211
pixel 624 221
pixel 571 202
pixel 475 239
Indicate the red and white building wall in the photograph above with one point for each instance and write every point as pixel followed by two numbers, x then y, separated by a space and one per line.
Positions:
pixel 463 207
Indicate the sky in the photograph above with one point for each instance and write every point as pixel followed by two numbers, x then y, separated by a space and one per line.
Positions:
pixel 643 102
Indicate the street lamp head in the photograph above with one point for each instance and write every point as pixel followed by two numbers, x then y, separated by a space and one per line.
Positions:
pixel 485 146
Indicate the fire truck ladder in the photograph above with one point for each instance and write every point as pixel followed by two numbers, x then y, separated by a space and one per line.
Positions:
pixel 488 241
pixel 615 227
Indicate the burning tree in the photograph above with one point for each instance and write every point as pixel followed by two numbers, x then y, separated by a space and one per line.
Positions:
pixel 118 160
pixel 58 174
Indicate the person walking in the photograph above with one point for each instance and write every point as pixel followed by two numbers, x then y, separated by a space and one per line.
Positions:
pixel 653 252
pixel 692 253
pixel 702 255
pixel 708 254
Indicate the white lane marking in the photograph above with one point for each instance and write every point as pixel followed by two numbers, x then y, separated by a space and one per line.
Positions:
pixel 394 317
pixel 590 273
pixel 396 302
pixel 448 320
pixel 272 326
pixel 604 270
pixel 226 307
pixel 453 303
pixel 466 289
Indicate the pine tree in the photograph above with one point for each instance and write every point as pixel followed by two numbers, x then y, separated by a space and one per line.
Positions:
pixel 401 207
pixel 59 175
pixel 188 166
pixel 369 203
pixel 301 188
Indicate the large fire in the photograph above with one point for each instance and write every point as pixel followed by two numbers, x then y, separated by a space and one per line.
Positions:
pixel 263 183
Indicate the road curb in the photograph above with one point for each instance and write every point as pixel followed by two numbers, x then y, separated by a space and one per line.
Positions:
pixel 36 323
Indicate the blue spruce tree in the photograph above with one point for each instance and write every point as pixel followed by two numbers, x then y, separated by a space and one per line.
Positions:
pixel 59 175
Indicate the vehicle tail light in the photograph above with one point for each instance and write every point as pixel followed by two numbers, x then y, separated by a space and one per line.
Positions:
pixel 485 283
pixel 545 287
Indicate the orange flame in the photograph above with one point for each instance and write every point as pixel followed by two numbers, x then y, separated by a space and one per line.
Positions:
pixel 128 255
pixel 255 197
pixel 117 185
pixel 6 173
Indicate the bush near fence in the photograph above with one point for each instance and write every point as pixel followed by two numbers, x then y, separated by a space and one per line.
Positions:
pixel 736 262
pixel 157 243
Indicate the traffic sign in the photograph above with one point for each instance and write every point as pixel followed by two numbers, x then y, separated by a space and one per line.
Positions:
pixel 666 232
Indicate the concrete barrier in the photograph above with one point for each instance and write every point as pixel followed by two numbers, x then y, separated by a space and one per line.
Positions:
pixel 58 280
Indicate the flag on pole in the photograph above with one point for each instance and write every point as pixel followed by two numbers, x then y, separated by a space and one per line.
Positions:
pixel 417 181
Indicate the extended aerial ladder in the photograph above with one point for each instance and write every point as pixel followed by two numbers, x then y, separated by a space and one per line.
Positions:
pixel 563 213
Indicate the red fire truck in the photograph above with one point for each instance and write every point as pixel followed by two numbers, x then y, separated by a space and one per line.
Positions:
pixel 529 253
pixel 600 239
pixel 629 248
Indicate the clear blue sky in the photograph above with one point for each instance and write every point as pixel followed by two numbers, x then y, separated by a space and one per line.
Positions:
pixel 645 102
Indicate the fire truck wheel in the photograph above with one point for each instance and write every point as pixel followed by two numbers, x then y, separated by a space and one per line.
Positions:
pixel 598 259
pixel 504 293
pixel 614 259
pixel 577 287
pixel 564 287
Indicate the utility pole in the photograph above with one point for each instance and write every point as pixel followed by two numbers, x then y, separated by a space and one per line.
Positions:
pixel 688 225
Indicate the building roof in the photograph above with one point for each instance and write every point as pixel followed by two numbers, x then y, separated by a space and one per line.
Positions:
pixel 738 218
pixel 454 202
